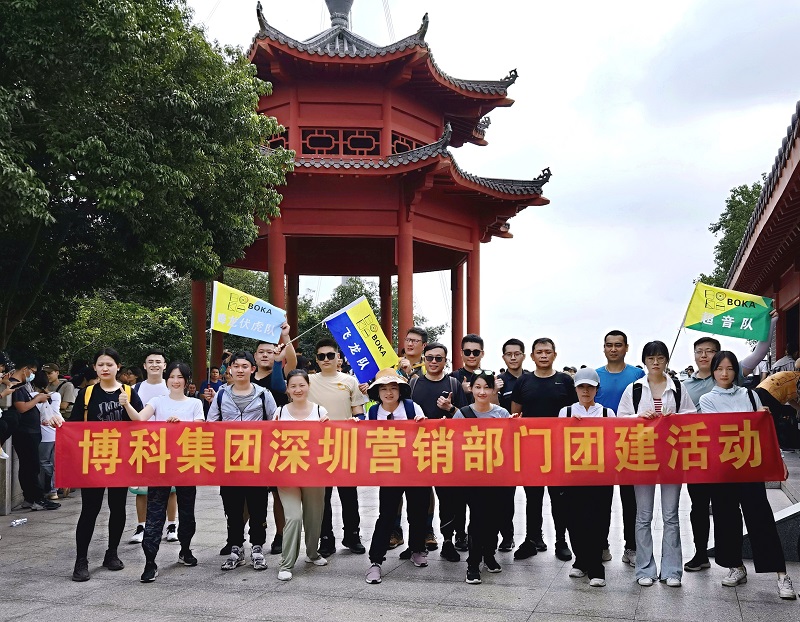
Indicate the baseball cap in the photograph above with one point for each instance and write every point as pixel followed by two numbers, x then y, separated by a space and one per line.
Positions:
pixel 50 367
pixel 586 376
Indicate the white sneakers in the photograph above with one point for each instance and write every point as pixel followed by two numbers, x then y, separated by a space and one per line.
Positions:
pixel 785 588
pixel 673 582
pixel 597 582
pixel 645 581
pixel 576 573
pixel 284 575
pixel 320 561
pixel 629 557
pixel 736 576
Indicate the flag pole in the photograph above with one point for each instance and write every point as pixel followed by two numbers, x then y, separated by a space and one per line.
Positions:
pixel 307 331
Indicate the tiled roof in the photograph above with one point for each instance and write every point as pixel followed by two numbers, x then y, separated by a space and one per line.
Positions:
pixel 426 152
pixel 767 190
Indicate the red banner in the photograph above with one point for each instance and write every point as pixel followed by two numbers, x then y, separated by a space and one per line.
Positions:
pixel 461 452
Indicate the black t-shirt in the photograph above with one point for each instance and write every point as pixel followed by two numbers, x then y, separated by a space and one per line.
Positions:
pixel 104 406
pixel 281 399
pixel 29 421
pixel 426 393
pixel 544 397
pixel 461 375
pixel 509 382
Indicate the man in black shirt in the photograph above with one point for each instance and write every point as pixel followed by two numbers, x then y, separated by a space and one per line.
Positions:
pixel 472 350
pixel 440 396
pixel 542 394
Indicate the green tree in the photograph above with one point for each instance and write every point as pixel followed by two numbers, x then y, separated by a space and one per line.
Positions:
pixel 129 153
pixel 730 229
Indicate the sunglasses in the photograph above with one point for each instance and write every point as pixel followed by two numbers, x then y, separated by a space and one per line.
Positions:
pixel 431 358
pixel 321 356
pixel 483 372
pixel 471 352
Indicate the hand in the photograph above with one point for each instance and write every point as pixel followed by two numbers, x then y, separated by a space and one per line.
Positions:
pixel 466 386
pixel 765 409
pixel 420 418
pixel 498 383
pixel 785 472
pixel 323 419
pixel 577 416
pixel 445 403
pixel 354 418
pixel 209 394
pixel 55 422
pixel 363 387
pixel 405 365
pixel 649 414
pixel 123 398
pixel 173 420
pixel 516 415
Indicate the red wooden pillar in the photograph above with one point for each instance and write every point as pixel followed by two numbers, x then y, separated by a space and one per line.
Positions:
pixel 474 285
pixel 457 290
pixel 292 293
pixel 385 289
pixel 405 275
pixel 276 263
pixel 199 335
pixel 217 337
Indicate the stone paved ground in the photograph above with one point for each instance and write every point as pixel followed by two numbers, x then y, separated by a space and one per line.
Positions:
pixel 36 563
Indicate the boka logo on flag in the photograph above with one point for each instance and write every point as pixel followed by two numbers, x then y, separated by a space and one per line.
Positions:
pixel 729 313
pixel 361 339
pixel 237 313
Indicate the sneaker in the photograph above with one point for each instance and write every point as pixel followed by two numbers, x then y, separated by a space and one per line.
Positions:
pixel 506 545
pixel 225 550
pixel 430 541
pixel 186 558
pixel 785 588
pixel 673 582
pixel 172 533
pixel 396 539
pixel 736 576
pixel 473 575
pixel 491 564
pixel 235 559
pixel 698 562
pixel 538 541
pixel 257 558
pixel 81 571
pixel 420 560
pixel 607 556
pixel 462 544
pixel 327 546
pixel 138 536
pixel 449 552
pixel 353 542
pixel 526 549
pixel 44 504
pixel 373 575
pixel 577 573
pixel 150 573
pixel 276 548
pixel 597 582
pixel 562 552
pixel 406 554
pixel 25 505
pixel 284 575
pixel 53 496
pixel 112 562
pixel 645 581
pixel 320 561
pixel 629 557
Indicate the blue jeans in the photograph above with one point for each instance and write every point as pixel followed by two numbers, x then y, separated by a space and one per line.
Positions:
pixel 671 554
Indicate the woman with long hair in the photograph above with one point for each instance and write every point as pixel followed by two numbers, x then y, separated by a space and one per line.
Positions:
pixel 751 497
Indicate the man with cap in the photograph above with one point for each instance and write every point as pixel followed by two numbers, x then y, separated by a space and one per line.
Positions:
pixel 393 396
pixel 62 386
pixel 588 507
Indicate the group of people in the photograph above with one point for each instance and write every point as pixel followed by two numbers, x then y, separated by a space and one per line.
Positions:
pixel 473 520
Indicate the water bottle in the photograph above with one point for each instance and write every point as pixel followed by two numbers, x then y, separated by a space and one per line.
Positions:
pixel 18 522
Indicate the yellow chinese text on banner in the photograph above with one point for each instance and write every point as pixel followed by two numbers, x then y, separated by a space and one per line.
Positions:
pixel 729 313
pixel 237 313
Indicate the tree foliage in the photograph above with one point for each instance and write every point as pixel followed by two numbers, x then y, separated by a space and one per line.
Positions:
pixel 129 151
pixel 730 229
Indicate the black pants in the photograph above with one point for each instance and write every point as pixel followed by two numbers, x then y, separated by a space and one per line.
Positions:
pixel 533 511
pixel 484 521
pixel 628 499
pixel 26 444
pixel 700 494
pixel 587 509
pixel 452 511
pixel 91 503
pixel 233 500
pixel 417 498
pixel 752 497
pixel 157 497
pixel 505 507
pixel 351 521
pixel 785 418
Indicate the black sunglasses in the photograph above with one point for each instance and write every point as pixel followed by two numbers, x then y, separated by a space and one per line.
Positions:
pixel 430 358
pixel 321 356
pixel 471 352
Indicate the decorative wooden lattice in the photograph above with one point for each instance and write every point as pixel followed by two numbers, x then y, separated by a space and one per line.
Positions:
pixel 280 140
pixel 402 143
pixel 328 142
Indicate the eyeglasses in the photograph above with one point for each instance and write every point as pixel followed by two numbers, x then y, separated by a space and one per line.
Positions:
pixel 321 356
pixel 655 359
pixel 431 358
pixel 471 352
pixel 513 355
pixel 408 340
pixel 706 352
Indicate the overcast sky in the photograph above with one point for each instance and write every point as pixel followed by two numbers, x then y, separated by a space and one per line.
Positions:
pixel 647 113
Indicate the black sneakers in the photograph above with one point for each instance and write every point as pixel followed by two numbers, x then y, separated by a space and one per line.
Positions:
pixel 449 552
pixel 353 542
pixel 112 562
pixel 506 545
pixel 698 562
pixel 461 543
pixel 150 573
pixel 186 558
pixel 473 575
pixel 81 571
pixel 563 552
pixel 538 541
pixel 526 549
pixel 276 548
pixel 225 550
pixel 327 546
pixel 491 564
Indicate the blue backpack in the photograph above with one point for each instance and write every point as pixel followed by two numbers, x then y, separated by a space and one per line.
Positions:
pixel 407 404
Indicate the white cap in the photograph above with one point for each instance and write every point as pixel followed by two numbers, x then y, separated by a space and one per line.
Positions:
pixel 586 376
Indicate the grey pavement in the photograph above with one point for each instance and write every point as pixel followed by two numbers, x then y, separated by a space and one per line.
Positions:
pixel 36 562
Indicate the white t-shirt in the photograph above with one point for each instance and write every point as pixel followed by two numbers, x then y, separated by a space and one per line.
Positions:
pixel 164 407
pixel 595 410
pixel 148 391
pixel 399 413
pixel 317 412
pixel 50 409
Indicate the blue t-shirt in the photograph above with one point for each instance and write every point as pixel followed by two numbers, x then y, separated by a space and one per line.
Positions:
pixel 612 386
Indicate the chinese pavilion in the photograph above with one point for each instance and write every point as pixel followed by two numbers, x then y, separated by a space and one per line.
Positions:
pixel 375 190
